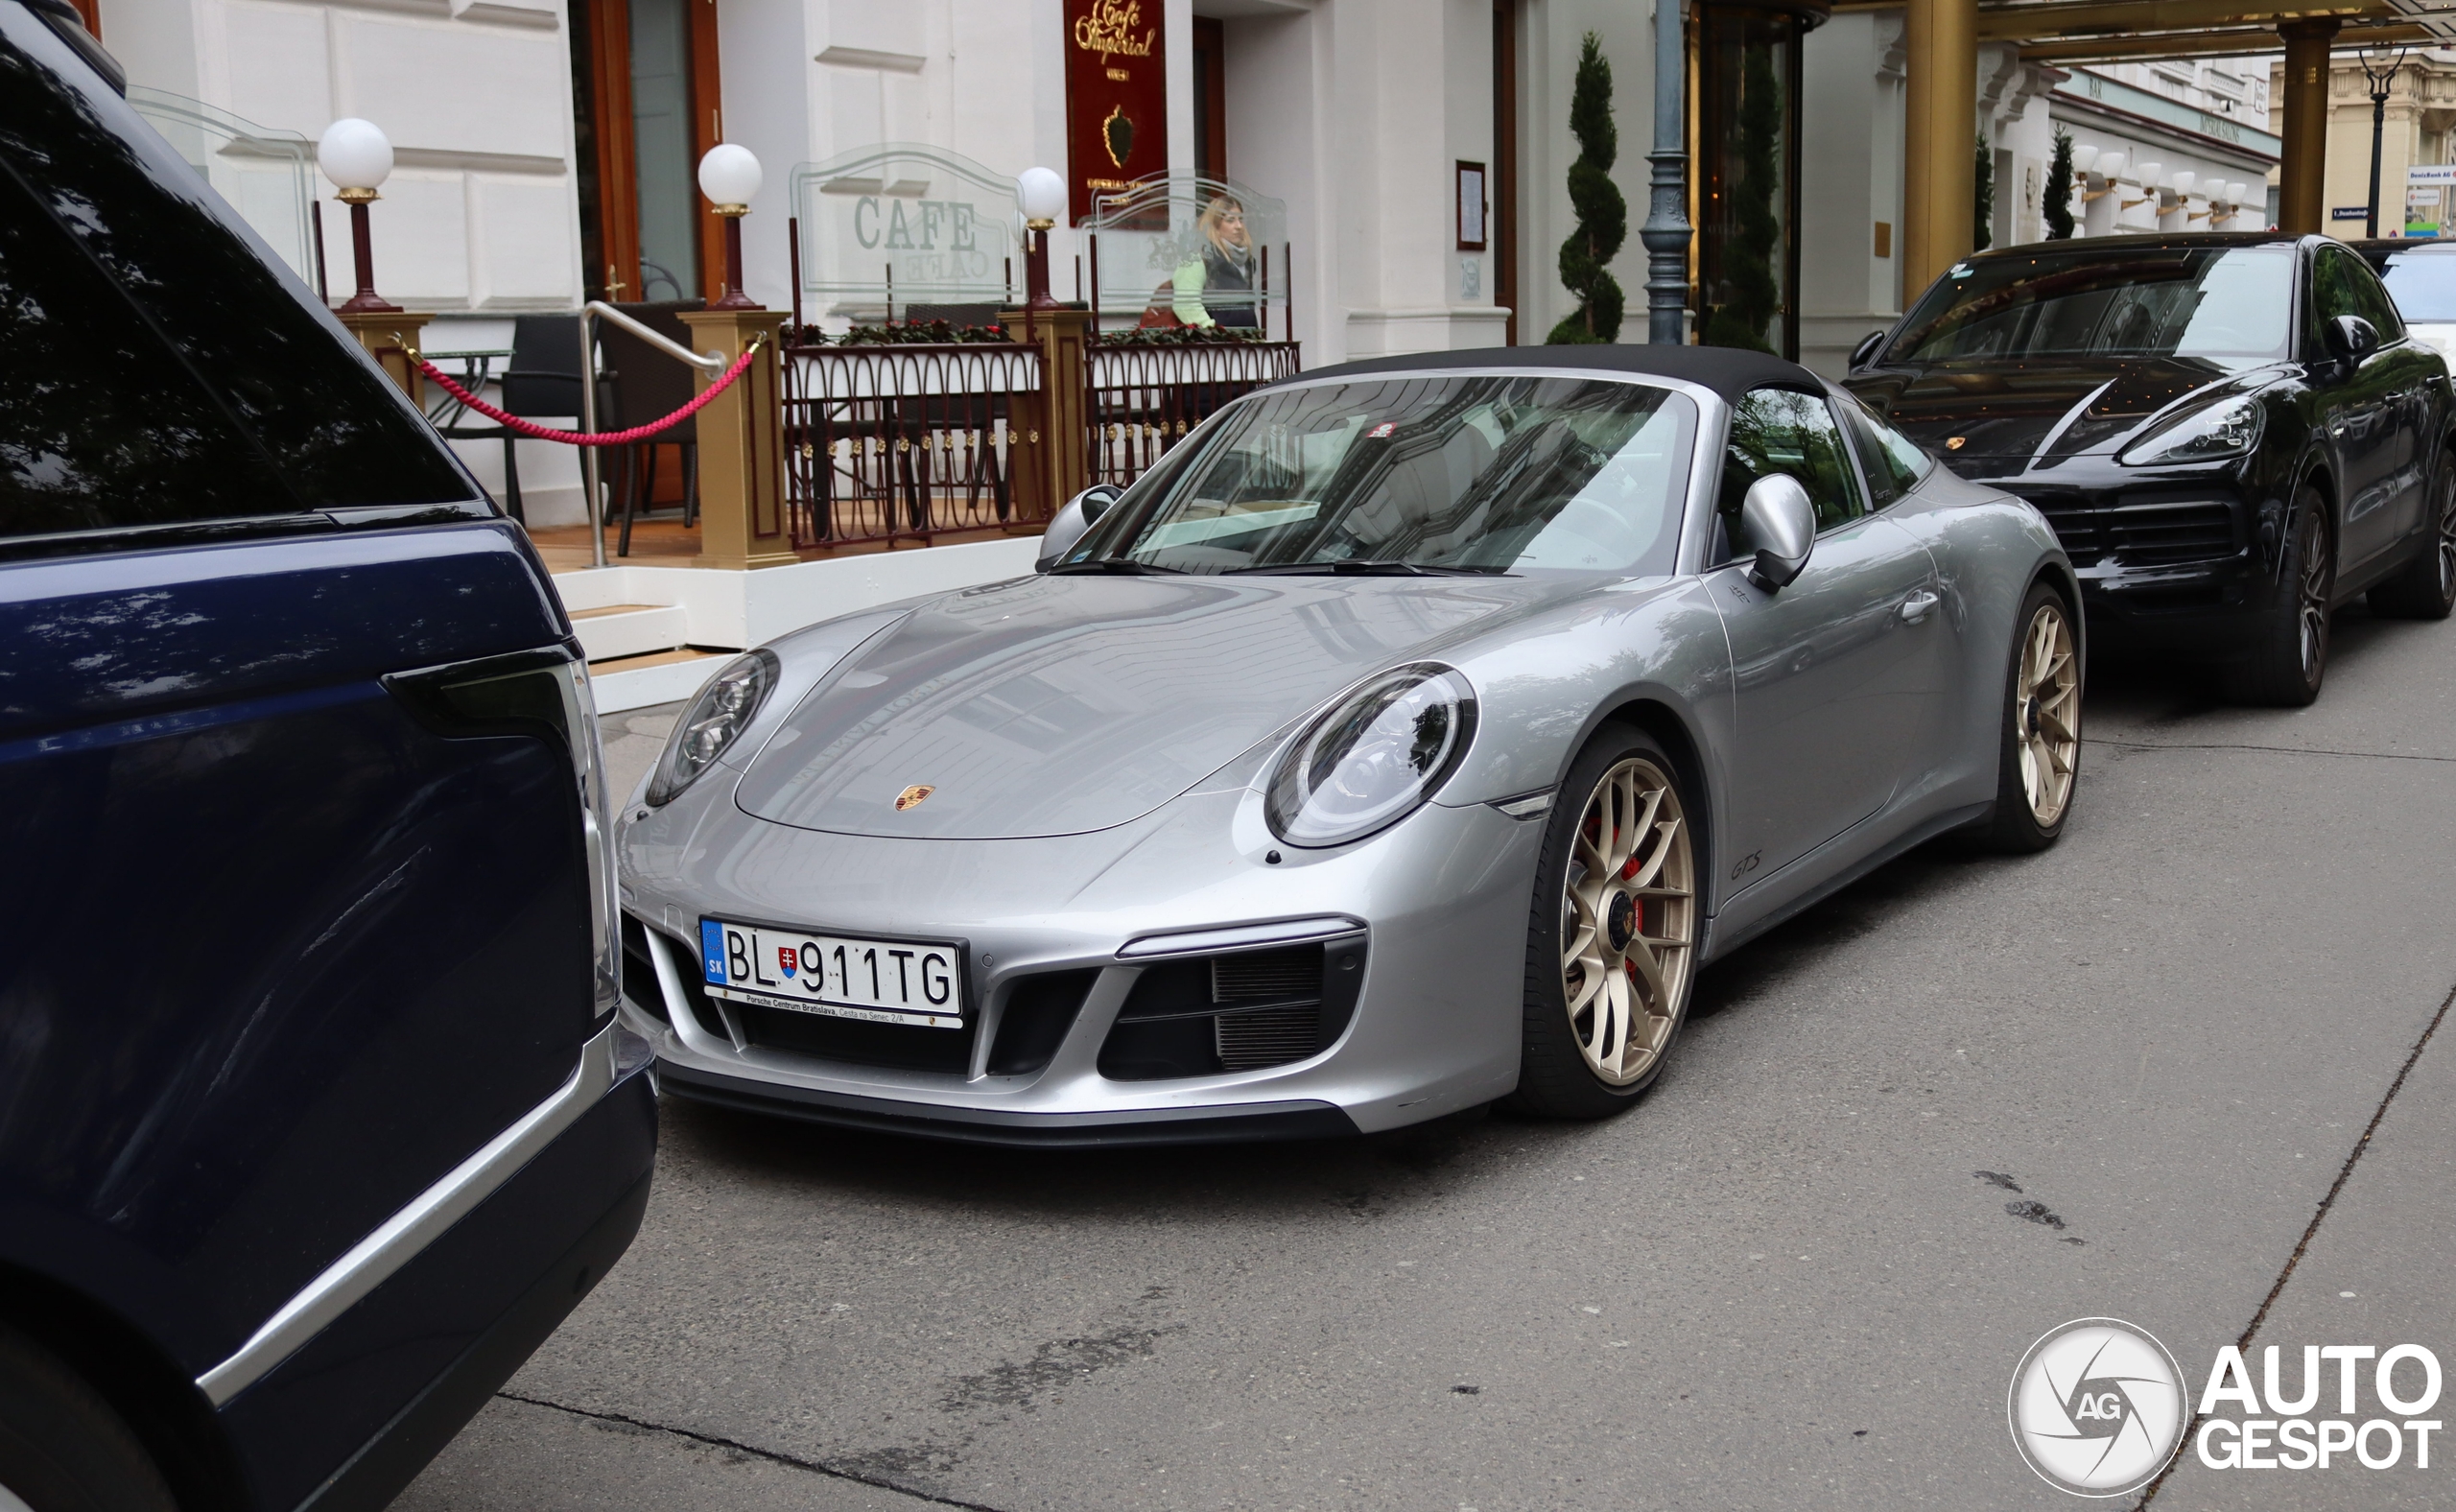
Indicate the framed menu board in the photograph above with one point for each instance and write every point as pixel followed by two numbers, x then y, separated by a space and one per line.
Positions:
pixel 1116 97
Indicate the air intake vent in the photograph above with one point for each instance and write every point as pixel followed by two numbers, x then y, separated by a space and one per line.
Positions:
pixel 2075 527
pixel 1247 1010
pixel 857 1042
pixel 1263 975
pixel 2158 534
pixel 639 973
pixel 1262 1037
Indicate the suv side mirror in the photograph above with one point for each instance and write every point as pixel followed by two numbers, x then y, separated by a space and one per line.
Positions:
pixel 2351 337
pixel 1865 352
pixel 1780 518
pixel 1067 527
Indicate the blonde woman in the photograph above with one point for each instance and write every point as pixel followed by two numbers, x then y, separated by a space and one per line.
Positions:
pixel 1216 288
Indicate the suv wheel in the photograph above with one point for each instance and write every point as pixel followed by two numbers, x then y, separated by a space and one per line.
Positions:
pixel 2291 658
pixel 2426 589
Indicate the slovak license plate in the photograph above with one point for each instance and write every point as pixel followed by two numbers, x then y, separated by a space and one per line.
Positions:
pixel 881 982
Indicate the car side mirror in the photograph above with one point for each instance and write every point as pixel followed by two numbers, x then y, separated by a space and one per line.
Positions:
pixel 1779 517
pixel 2351 337
pixel 1865 352
pixel 1068 525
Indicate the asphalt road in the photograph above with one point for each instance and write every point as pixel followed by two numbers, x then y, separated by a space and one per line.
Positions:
pixel 1777 1283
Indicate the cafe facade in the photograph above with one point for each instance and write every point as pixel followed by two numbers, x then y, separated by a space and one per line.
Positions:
pixel 1401 165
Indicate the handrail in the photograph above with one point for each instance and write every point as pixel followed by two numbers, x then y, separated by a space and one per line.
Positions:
pixel 707 363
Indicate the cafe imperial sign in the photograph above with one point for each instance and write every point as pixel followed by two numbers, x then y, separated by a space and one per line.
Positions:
pixel 1117 98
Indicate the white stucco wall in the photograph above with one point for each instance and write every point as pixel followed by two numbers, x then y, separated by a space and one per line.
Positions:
pixel 482 211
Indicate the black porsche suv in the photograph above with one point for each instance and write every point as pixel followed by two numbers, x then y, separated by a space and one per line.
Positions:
pixel 2232 434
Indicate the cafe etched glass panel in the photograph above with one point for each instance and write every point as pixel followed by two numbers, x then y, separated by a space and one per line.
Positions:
pixel 885 228
pixel 1190 252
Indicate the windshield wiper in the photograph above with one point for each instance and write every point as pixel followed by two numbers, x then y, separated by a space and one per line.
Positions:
pixel 1369 567
pixel 1118 564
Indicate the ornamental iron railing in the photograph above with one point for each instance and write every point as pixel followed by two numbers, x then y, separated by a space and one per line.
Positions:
pixel 1142 400
pixel 909 442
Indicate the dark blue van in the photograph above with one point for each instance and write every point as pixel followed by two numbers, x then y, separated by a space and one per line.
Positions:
pixel 314 1117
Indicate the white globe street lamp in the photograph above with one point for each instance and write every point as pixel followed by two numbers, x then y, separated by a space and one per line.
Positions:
pixel 357 156
pixel 730 176
pixel 1040 194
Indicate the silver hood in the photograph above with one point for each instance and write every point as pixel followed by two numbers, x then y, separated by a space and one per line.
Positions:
pixel 1067 704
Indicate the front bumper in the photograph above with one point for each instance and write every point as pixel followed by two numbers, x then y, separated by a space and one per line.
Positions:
pixel 2173 564
pixel 1435 909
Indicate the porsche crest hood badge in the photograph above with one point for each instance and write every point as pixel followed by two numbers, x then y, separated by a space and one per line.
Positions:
pixel 911 797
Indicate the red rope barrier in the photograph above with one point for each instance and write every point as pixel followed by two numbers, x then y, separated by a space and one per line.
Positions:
pixel 637 432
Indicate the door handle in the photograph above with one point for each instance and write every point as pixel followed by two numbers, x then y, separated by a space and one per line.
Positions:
pixel 1915 607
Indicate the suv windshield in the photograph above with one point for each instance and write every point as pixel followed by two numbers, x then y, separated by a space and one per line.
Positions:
pixel 2423 284
pixel 2150 301
pixel 1481 473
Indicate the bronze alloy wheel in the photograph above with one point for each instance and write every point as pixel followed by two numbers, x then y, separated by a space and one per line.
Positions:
pixel 2046 714
pixel 1628 921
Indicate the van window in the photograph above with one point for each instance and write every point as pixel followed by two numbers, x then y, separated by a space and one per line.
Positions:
pixel 249 350
pixel 101 423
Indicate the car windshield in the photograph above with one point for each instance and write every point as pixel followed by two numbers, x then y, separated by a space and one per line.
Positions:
pixel 2151 301
pixel 2424 285
pixel 1481 473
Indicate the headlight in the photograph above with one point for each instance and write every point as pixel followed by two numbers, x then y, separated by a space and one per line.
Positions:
pixel 1374 758
pixel 2225 429
pixel 714 722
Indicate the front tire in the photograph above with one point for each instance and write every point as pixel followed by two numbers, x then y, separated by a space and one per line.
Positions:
pixel 2285 669
pixel 2426 589
pixel 1611 939
pixel 2038 764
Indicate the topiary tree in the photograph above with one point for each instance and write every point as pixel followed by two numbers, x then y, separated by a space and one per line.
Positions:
pixel 1755 235
pixel 2057 201
pixel 1602 215
pixel 1982 200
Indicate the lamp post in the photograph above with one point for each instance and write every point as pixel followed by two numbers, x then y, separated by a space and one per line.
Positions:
pixel 729 176
pixel 357 156
pixel 1055 457
pixel 2382 84
pixel 1041 195
pixel 1667 231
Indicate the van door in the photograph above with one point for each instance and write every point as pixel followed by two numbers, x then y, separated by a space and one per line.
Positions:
pixel 284 945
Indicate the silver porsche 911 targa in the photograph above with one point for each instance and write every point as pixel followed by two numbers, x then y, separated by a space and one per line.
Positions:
pixel 1404 741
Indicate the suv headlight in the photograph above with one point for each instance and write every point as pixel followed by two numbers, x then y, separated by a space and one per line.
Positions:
pixel 2228 428
pixel 1374 757
pixel 714 722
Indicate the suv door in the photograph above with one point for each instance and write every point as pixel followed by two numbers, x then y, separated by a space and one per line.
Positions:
pixel 1838 677
pixel 2360 410
pixel 2416 375
pixel 298 779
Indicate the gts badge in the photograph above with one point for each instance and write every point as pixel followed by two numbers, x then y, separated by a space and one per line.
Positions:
pixel 1745 864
